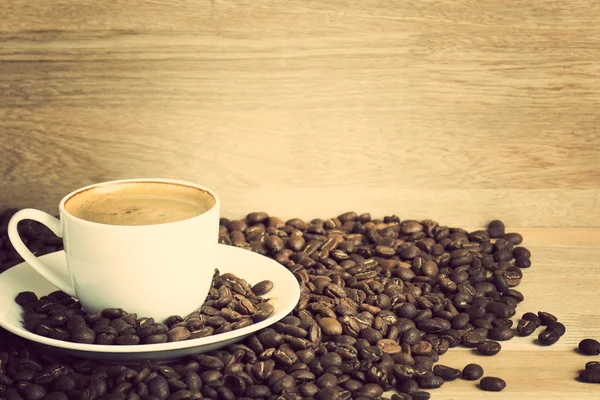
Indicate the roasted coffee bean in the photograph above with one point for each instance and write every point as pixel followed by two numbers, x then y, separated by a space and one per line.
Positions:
pixel 178 334
pixel 526 327
pixel 489 348
pixel 372 390
pixel 496 229
pixel 521 252
pixel 592 365
pixel 473 338
pixel 590 375
pixel 447 373
pixel 492 384
pixel 210 362
pixel 159 387
pixel 547 338
pixel 263 287
pixel 430 382
pixel 472 372
pixel 556 327
pixel 532 317
pixel 64 383
pixel 513 238
pixel 330 326
pixel 589 347
pixel 546 318
pixel 83 334
pixel 523 262
pixel 26 298
pixel 501 333
pixel 127 340
pixel 156 338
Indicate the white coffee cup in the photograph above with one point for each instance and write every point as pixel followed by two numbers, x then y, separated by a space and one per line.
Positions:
pixel 155 270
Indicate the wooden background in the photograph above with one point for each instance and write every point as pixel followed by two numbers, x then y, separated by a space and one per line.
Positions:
pixel 458 110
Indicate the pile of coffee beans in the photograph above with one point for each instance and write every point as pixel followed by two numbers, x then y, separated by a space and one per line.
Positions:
pixel 231 304
pixel 381 301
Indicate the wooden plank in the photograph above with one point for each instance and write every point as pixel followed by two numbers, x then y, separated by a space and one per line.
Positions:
pixel 284 164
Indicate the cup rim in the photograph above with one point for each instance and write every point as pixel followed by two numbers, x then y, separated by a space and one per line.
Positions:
pixel 62 210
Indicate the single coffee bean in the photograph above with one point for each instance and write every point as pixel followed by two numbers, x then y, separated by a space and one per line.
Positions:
pixel 472 372
pixel 430 382
pixel 327 380
pixel 556 327
pixel 532 317
pixel 492 384
pixel 270 338
pixel 473 338
pixel 489 348
pixel 513 238
pixel 328 393
pixel 408 386
pixel 591 375
pixel 592 365
pixel 447 373
pixel 34 392
pixel 590 347
pixel 501 333
pixel 178 334
pixel 26 298
pixel 83 334
pixel 547 338
pixel 496 229
pixel 127 340
pixel 526 327
pixel 523 262
pixel 521 252
pixel 263 287
pixel 546 318
pixel 330 326
pixel 420 395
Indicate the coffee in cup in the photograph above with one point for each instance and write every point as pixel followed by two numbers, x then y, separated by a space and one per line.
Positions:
pixel 139 203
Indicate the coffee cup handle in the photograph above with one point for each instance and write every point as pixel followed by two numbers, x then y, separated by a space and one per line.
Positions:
pixel 28 256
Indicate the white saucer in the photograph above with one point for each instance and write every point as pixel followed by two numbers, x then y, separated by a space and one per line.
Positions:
pixel 243 263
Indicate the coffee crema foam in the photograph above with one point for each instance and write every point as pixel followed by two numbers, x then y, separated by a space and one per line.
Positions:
pixel 139 203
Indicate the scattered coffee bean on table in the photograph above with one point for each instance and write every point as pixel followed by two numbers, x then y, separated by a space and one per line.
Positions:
pixel 592 365
pixel 590 347
pixel 489 348
pixel 590 375
pixel 548 338
pixel 472 372
pixel 381 301
pixel 447 373
pixel 231 304
pixel 492 384
pixel 546 318
pixel 526 327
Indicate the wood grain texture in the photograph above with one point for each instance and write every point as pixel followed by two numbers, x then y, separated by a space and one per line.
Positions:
pixel 462 110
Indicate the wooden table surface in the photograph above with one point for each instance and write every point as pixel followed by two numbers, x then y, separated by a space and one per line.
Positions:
pixel 462 111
